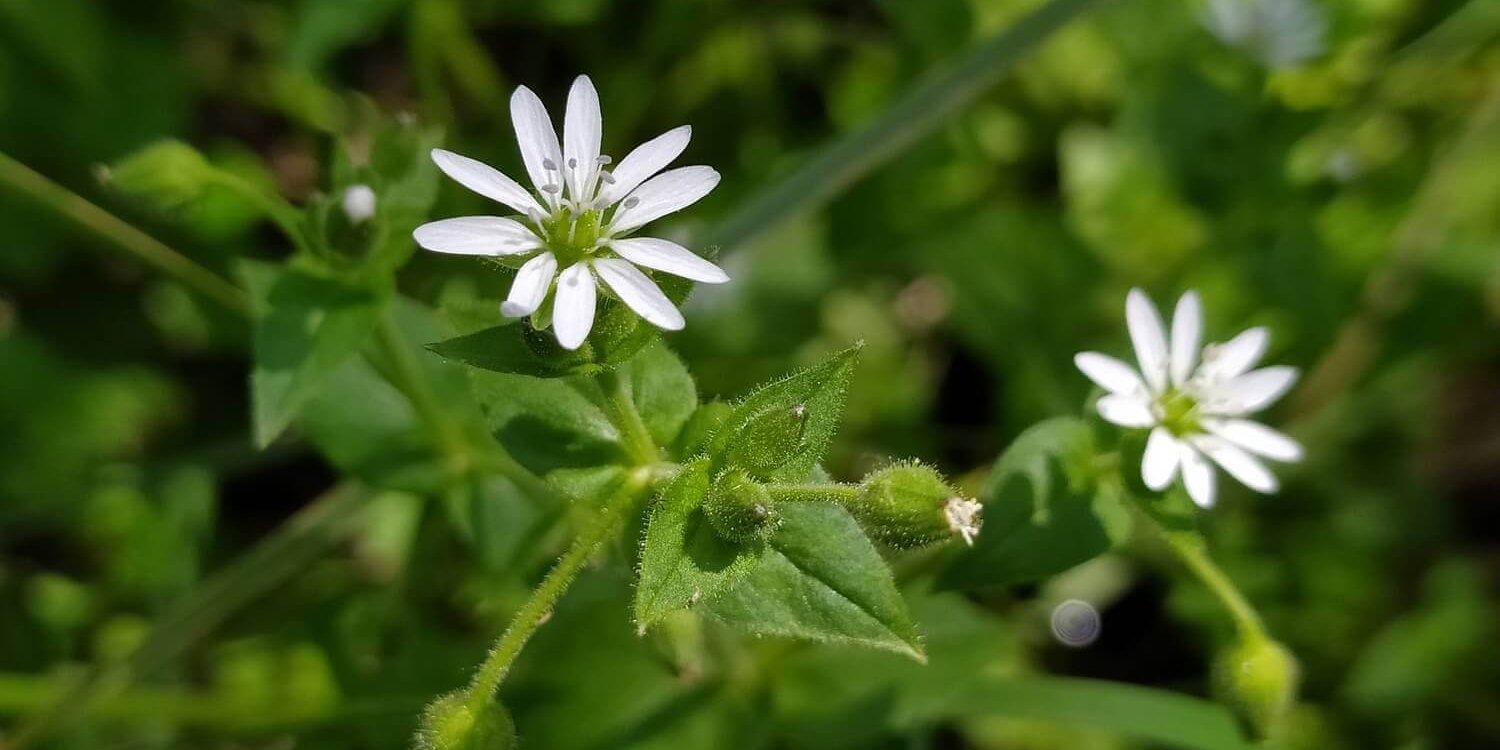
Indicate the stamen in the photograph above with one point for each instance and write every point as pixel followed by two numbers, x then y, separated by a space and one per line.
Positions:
pixel 604 160
pixel 572 164
pixel 551 188
pixel 632 202
pixel 608 178
pixel 549 165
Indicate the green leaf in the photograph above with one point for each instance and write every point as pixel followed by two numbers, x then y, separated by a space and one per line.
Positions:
pixel 663 391
pixel 514 347
pixel 306 326
pixel 1044 511
pixel 557 423
pixel 366 427
pixel 683 561
pixel 1141 713
pixel 821 579
pixel 820 390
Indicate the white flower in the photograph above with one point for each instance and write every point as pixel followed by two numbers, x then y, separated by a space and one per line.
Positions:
pixel 1195 406
pixel 359 203
pixel 575 229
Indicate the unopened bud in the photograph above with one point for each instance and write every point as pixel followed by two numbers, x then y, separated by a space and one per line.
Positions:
pixel 911 505
pixel 359 203
pixel 451 723
pixel 740 510
pixel 768 440
pixel 1257 678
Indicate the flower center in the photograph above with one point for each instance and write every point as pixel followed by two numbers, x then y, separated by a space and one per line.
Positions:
pixel 1178 412
pixel 572 236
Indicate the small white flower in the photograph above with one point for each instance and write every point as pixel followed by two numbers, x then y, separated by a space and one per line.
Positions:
pixel 962 515
pixel 359 203
pixel 1195 405
pixel 575 229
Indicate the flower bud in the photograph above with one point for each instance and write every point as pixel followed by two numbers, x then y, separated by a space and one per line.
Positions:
pixel 450 723
pixel 167 175
pixel 740 510
pixel 768 439
pixel 359 203
pixel 1257 678
pixel 910 505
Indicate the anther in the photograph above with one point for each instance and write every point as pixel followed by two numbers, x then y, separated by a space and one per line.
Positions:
pixel 572 164
pixel 632 202
pixel 549 165
pixel 550 188
pixel 608 178
pixel 604 160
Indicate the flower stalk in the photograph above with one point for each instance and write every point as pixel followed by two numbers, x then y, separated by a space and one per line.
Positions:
pixel 539 605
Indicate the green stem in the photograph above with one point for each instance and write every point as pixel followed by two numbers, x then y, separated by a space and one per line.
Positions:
pixel 270 563
pixel 842 494
pixel 536 608
pixel 404 371
pixel 401 368
pixel 1193 554
pixel 142 246
pixel 286 218
pixel 634 435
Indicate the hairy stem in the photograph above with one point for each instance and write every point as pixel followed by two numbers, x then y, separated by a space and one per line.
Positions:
pixel 842 494
pixel 539 605
pixel 122 235
pixel 620 405
pixel 1193 554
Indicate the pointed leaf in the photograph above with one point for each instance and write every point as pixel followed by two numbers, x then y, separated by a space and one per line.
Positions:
pixel 683 561
pixel 821 579
pixel 306 326
pixel 818 389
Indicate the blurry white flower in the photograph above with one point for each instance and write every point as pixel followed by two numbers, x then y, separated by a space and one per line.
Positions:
pixel 575 229
pixel 1278 33
pixel 359 203
pixel 1195 406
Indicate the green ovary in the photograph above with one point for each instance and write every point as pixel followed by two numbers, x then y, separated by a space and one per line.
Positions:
pixel 571 237
pixel 1179 413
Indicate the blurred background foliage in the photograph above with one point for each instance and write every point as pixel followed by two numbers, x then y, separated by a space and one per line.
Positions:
pixel 1323 167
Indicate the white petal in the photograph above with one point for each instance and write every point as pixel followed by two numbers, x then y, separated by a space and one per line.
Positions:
pixel 1159 463
pixel 1187 332
pixel 1235 356
pixel 1110 374
pixel 639 293
pixel 477 235
pixel 485 180
pixel 537 139
pixel 573 308
pixel 1240 465
pixel 1256 438
pixel 1198 477
pixel 1126 411
pixel 669 191
pixel 645 160
pixel 583 127
pixel 530 286
pixel 671 257
pixel 1148 337
pixel 1250 392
